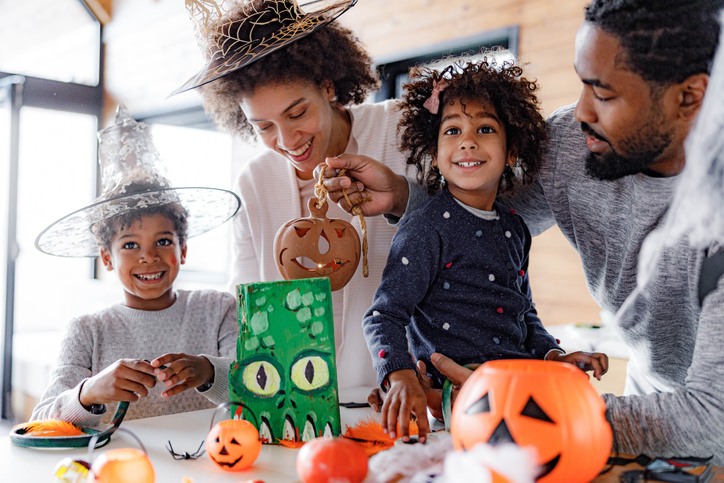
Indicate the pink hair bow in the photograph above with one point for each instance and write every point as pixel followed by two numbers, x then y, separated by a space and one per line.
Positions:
pixel 432 103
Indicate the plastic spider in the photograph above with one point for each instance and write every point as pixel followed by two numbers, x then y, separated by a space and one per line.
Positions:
pixel 185 455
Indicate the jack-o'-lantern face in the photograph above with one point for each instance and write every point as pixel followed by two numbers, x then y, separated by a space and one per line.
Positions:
pixel 548 405
pixel 233 444
pixel 317 247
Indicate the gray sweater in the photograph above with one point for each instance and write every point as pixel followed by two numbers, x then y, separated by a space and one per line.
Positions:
pixel 674 403
pixel 201 322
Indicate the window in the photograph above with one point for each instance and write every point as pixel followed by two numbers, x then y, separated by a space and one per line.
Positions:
pixel 393 71
pixel 50 103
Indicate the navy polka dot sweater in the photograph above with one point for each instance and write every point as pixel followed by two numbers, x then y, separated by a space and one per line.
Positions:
pixel 455 284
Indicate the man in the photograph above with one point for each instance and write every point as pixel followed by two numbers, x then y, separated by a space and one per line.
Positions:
pixel 607 181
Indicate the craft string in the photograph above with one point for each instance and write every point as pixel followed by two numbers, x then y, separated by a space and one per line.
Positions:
pixel 320 191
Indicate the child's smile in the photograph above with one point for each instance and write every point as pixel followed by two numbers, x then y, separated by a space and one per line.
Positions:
pixel 146 258
pixel 472 152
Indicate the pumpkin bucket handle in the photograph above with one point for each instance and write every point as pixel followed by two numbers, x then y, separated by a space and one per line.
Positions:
pixel 95 437
pixel 321 193
pixel 223 405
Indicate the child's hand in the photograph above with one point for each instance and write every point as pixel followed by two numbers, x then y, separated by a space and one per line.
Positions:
pixel 124 380
pixel 586 361
pixel 404 398
pixel 182 371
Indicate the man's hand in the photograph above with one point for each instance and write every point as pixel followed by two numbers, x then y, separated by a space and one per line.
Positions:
pixel 183 371
pixel 124 380
pixel 365 178
pixel 404 399
pixel 586 361
pixel 452 370
pixel 432 395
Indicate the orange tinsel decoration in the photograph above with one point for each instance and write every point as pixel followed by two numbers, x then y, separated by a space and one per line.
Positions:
pixel 50 427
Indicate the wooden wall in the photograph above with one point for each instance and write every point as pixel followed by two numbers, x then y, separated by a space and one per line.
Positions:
pixel 547 33
pixel 151 50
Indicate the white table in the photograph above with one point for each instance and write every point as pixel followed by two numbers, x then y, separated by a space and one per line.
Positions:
pixel 275 464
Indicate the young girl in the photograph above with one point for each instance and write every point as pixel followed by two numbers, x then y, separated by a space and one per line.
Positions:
pixel 456 279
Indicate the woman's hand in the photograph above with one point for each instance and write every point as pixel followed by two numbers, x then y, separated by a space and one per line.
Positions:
pixel 182 372
pixel 404 399
pixel 586 361
pixel 124 380
pixel 385 191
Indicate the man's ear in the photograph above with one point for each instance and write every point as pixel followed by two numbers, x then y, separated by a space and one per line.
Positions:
pixel 183 254
pixel 691 95
pixel 106 259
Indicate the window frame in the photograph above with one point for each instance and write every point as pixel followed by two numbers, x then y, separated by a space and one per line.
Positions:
pixel 29 91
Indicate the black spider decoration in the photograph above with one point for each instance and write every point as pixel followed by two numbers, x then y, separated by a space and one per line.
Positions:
pixel 185 455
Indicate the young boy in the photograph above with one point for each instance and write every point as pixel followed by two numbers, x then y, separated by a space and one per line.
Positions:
pixel 159 342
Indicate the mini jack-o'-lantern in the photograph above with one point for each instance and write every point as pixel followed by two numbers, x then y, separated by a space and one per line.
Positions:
pixel 233 444
pixel 548 405
pixel 124 465
pixel 297 248
pixel 326 460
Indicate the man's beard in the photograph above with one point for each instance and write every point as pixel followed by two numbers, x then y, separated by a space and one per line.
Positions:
pixel 642 148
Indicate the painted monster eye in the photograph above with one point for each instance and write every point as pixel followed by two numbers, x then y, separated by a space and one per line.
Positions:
pixel 262 378
pixel 310 373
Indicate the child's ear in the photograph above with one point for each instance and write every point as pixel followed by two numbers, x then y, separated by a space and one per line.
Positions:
pixel 183 254
pixel 106 259
pixel 512 157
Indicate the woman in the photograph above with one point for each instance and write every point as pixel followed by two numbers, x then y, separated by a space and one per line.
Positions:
pixel 296 80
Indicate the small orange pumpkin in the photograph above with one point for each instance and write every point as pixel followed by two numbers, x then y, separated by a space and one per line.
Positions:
pixel 545 404
pixel 325 460
pixel 124 465
pixel 300 238
pixel 233 444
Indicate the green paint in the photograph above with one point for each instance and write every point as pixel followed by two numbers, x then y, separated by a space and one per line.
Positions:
pixel 259 323
pixel 285 379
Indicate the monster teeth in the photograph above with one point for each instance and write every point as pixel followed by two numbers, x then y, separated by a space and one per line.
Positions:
pixel 289 433
pixel 308 432
pixel 328 430
pixel 265 434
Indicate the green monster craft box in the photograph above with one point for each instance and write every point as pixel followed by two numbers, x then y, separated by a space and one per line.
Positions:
pixel 284 380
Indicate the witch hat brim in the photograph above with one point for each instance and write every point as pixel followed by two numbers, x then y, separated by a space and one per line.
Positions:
pixel 71 236
pixel 241 53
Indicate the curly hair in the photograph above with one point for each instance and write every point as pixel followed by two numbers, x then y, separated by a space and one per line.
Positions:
pixel 499 84
pixel 666 41
pixel 332 53
pixel 104 231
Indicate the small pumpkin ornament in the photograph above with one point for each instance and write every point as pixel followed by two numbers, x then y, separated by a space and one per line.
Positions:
pixel 300 238
pixel 233 444
pixel 124 465
pixel 328 460
pixel 548 405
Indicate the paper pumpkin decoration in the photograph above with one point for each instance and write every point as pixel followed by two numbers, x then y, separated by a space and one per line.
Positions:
pixel 125 465
pixel 301 239
pixel 284 380
pixel 233 444
pixel 327 460
pixel 548 405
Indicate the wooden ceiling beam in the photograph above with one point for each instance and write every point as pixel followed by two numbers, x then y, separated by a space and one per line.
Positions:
pixel 101 9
